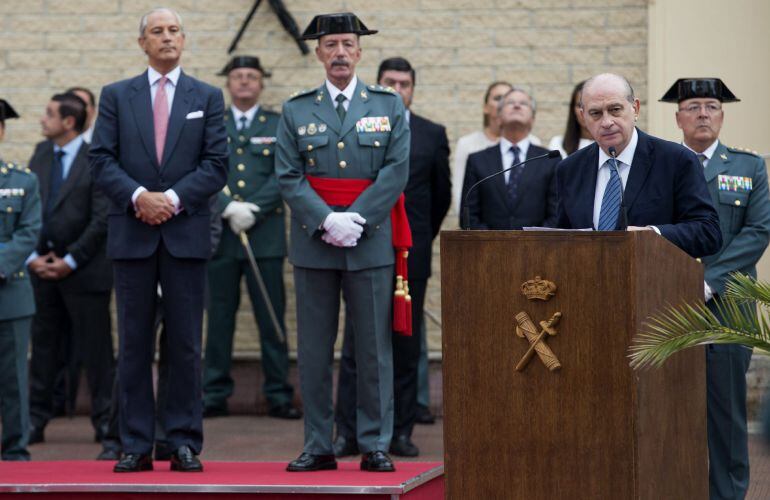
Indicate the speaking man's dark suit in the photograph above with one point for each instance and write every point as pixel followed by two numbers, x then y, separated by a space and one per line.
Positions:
pixel 75 307
pixel 665 189
pixel 490 205
pixel 428 194
pixel 174 253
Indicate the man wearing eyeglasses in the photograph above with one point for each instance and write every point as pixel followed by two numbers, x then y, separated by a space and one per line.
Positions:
pixel 737 182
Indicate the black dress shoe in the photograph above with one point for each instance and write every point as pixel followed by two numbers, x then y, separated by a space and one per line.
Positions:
pixel 36 435
pixel 215 411
pixel 184 460
pixel 344 447
pixel 133 462
pixel 377 461
pixel 424 416
pixel 307 462
pixel 109 454
pixel 402 446
pixel 286 410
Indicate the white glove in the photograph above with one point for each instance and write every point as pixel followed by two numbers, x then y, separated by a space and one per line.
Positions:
pixel 344 227
pixel 343 244
pixel 707 292
pixel 240 215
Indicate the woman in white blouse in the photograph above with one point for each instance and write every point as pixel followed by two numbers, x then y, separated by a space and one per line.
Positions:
pixel 576 136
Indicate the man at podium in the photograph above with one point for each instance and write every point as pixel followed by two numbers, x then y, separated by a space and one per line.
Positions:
pixel 631 180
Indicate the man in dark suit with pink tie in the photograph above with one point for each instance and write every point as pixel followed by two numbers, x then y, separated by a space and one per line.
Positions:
pixel 159 153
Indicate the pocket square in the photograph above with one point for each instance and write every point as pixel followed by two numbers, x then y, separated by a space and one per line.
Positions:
pixel 194 114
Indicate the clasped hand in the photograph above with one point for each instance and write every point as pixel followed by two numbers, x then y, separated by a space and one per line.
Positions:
pixel 343 229
pixel 154 208
pixel 50 267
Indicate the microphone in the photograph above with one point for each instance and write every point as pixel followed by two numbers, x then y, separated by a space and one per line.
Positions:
pixel 467 211
pixel 622 215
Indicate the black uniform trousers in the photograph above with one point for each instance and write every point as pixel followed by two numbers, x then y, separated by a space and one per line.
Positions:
pixel 406 356
pixel 183 285
pixel 82 318
pixel 14 404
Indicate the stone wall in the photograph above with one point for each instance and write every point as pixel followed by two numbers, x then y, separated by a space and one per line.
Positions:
pixel 457 47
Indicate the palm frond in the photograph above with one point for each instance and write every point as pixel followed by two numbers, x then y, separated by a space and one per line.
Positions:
pixel 686 326
pixel 748 290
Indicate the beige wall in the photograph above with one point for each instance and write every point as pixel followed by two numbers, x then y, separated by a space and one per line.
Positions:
pixel 720 38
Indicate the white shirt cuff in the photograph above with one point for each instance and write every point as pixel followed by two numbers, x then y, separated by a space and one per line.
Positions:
pixel 70 260
pixel 34 255
pixel 139 190
pixel 655 228
pixel 171 195
pixel 708 292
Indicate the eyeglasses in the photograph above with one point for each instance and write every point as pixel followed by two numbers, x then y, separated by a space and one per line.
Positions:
pixel 710 108
pixel 523 104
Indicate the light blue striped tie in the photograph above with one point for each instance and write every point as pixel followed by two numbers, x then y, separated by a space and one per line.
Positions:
pixel 608 215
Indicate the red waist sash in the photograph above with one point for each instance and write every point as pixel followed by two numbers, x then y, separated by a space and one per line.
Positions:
pixel 343 192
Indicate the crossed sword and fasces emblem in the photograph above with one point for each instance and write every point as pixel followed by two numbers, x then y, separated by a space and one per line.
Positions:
pixel 526 328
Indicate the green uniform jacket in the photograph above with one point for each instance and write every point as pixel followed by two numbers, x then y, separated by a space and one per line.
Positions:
pixel 251 178
pixel 744 213
pixel 372 143
pixel 19 229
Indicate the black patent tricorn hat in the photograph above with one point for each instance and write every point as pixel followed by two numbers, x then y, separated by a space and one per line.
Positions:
pixel 244 62
pixel 335 24
pixel 6 111
pixel 689 88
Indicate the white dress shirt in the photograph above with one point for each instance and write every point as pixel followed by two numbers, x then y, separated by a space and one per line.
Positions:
pixel 249 114
pixel 507 154
pixel 708 152
pixel 624 168
pixel 172 78
pixel 347 92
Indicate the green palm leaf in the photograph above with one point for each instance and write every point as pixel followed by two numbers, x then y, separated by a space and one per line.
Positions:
pixel 688 325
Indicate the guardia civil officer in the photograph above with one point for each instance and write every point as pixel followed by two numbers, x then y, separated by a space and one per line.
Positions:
pixel 251 203
pixel 737 182
pixel 342 164
pixel 19 229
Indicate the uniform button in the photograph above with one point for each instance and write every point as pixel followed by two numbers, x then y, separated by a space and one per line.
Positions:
pixel 304 226
pixel 241 183
pixel 343 164
pixel 262 118
pixel 266 152
pixel 229 140
pixel 239 151
pixel 279 210
pixel 376 227
pixel 737 203
pixel 21 274
pixel 376 144
pixel 310 147
pixel 241 167
pixel 340 145
pixel 9 209
pixel 241 138
pixel 311 162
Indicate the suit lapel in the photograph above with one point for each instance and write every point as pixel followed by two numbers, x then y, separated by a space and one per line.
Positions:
pixel 357 110
pixel 642 162
pixel 718 163
pixel 141 104
pixel 79 164
pixel 324 110
pixel 179 110
pixel 256 127
pixel 496 165
pixel 44 178
pixel 230 125
pixel 587 188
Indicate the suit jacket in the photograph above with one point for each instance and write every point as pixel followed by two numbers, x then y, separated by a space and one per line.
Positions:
pixel 428 192
pixel 194 164
pixel 744 213
pixel 489 203
pixel 19 230
pixel 665 188
pixel 252 179
pixel 77 224
pixel 371 143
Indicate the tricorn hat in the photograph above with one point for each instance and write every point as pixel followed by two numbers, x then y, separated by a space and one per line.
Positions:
pixel 689 88
pixel 244 62
pixel 335 24
pixel 6 111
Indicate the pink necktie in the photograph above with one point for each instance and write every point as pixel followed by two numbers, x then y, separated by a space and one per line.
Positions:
pixel 160 117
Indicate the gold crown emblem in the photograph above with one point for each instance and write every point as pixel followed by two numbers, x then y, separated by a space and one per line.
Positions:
pixel 538 288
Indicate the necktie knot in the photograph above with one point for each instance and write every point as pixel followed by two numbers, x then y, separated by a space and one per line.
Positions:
pixel 243 121
pixel 59 154
pixel 340 98
pixel 340 106
pixel 702 159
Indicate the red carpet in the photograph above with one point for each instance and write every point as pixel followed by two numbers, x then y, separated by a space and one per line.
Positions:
pixel 93 479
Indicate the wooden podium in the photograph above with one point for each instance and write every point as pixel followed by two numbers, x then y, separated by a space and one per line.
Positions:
pixel 593 427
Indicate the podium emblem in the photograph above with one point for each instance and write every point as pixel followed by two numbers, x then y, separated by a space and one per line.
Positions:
pixel 525 328
pixel 538 289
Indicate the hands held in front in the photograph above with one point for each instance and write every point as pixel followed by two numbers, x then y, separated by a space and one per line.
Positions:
pixel 154 208
pixel 343 229
pixel 240 215
pixel 50 267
